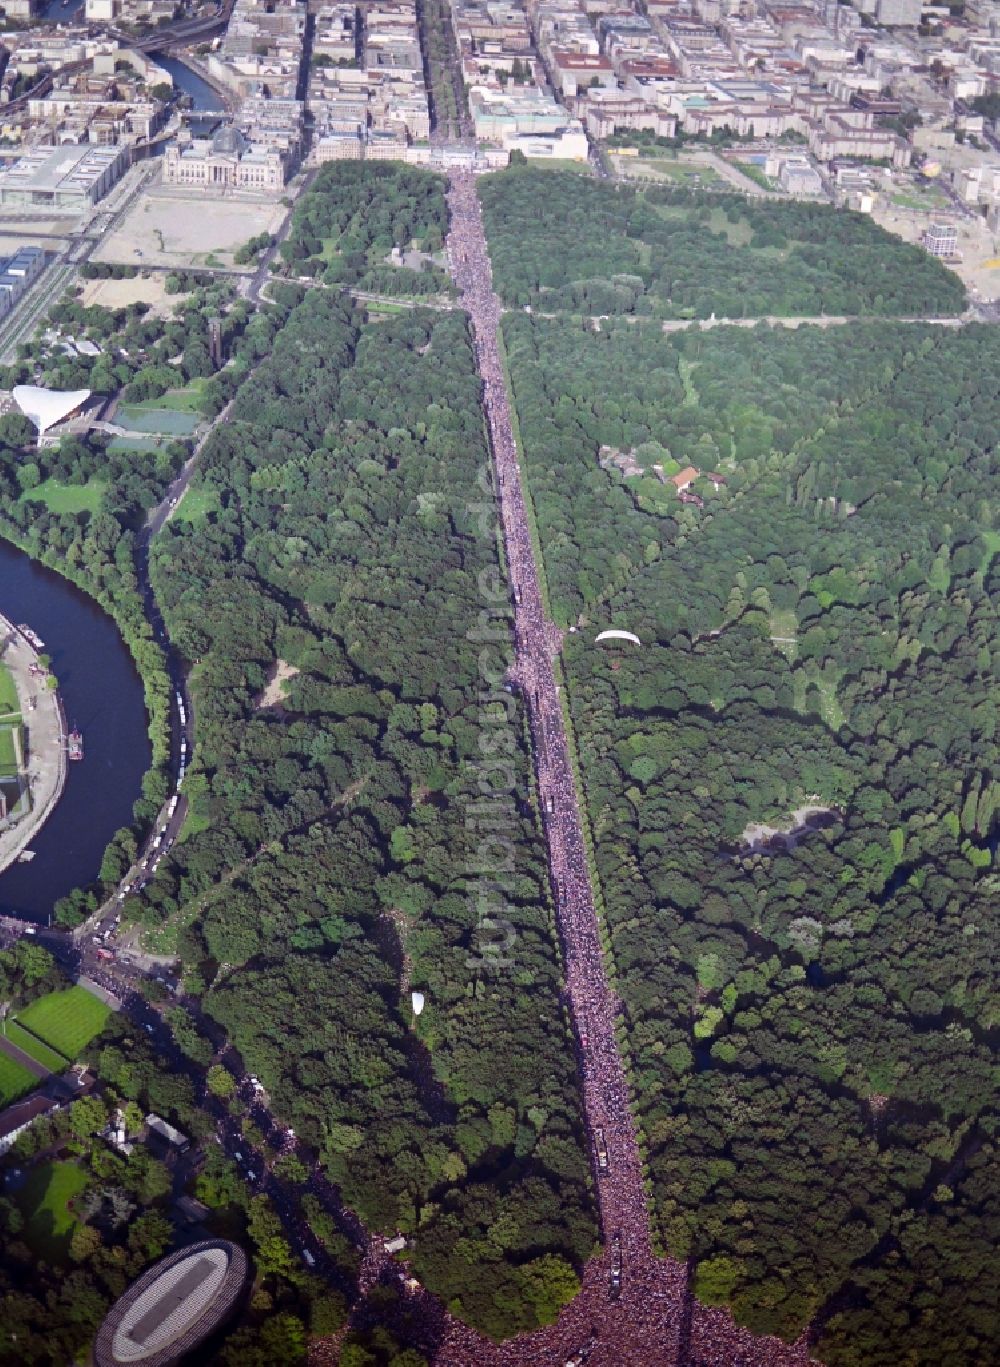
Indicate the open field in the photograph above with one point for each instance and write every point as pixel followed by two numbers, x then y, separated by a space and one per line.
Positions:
pixel 582 168
pixel 692 174
pixel 8 693
pixel 66 1020
pixel 148 443
pixel 8 755
pixel 44 1200
pixel 196 505
pixel 187 231
pixel 118 294
pixel 33 1047
pixel 186 400
pixel 14 1080
pixel 66 498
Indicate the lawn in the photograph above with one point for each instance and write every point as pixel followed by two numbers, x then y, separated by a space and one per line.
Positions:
pixel 582 168
pixel 8 757
pixel 14 1080
pixel 992 540
pixel 44 1199
pixel 66 1020
pixel 8 693
pixel 67 498
pixel 755 173
pixel 185 400
pixel 135 444
pixel 196 505
pixel 34 1048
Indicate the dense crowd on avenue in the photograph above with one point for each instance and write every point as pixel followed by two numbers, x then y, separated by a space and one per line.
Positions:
pixel 635 1309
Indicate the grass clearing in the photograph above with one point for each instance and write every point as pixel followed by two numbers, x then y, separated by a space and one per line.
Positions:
pixel 45 1200
pixel 15 1080
pixel 196 505
pixel 135 444
pixel 738 234
pixel 66 1020
pixel 187 399
pixel 34 1048
pixel 754 173
pixel 8 693
pixel 582 168
pixel 8 753
pixel 67 498
pixel 992 540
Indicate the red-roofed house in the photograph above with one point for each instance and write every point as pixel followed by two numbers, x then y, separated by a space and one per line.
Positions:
pixel 684 477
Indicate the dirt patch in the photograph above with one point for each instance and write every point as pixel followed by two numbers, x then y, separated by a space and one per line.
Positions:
pixel 188 231
pixel 274 690
pixel 118 294
pixel 808 817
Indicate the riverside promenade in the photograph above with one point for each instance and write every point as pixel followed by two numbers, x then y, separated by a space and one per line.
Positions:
pixel 44 742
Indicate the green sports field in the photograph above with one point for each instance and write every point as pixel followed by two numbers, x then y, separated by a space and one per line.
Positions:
pixel 34 1048
pixel 66 1020
pixel 15 1081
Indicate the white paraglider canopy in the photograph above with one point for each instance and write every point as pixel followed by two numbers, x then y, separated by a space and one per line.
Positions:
pixel 617 636
pixel 417 998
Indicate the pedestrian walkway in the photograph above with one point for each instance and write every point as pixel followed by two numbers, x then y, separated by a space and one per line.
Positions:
pixel 35 1068
pixel 45 741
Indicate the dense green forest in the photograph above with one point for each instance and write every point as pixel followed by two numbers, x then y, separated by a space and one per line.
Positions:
pixel 344 231
pixel 560 241
pixel 809 1015
pixel 331 859
pixel 80 1219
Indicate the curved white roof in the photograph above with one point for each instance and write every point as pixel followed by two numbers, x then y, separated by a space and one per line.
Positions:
pixel 618 636
pixel 170 1305
pixel 46 407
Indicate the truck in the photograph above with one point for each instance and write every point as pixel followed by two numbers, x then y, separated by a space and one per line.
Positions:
pixel 615 1274
pixel 601 1147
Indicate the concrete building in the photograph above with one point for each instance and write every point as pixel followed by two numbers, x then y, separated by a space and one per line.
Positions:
pixel 941 240
pixel 63 179
pixel 898 13
pixel 228 161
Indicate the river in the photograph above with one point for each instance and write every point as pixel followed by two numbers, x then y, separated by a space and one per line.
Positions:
pixel 202 94
pixel 62 11
pixel 103 695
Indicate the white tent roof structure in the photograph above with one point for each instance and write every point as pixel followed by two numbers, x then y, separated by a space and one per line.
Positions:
pixel 46 407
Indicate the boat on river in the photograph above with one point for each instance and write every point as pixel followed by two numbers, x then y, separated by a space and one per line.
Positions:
pixel 75 744
pixel 30 636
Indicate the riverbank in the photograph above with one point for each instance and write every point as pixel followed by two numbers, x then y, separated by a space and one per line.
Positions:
pixel 44 766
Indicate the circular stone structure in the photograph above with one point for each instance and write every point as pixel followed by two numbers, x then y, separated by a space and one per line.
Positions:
pixel 173 1306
